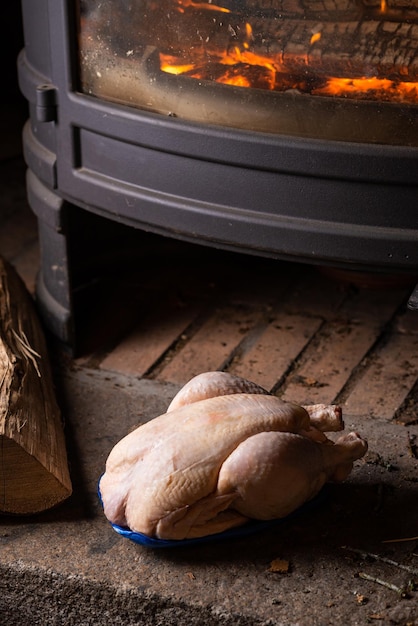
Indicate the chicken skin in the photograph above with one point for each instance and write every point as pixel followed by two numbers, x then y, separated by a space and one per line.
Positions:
pixel 225 452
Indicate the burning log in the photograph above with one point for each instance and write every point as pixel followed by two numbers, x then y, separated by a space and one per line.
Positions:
pixel 34 474
pixel 344 49
pixel 344 39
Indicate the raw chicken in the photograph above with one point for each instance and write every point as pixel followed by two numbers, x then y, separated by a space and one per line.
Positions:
pixel 225 452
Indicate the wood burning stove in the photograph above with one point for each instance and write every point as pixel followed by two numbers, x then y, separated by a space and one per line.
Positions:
pixel 285 128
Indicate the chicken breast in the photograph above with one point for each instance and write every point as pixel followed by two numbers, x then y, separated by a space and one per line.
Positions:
pixel 226 451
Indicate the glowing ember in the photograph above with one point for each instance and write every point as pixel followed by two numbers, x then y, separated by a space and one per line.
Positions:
pixel 382 88
pixel 238 81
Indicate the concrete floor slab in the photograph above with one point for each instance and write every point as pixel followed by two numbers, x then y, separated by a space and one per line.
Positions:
pixel 68 566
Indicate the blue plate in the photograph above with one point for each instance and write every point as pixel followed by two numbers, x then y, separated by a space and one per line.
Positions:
pixel 241 531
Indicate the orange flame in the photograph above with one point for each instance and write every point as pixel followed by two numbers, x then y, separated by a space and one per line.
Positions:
pixel 168 65
pixel 315 37
pixel 246 56
pixel 383 6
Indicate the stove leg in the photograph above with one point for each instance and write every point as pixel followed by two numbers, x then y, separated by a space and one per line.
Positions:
pixel 53 290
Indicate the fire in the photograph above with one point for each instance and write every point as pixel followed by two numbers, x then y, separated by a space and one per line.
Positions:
pixel 237 66
pixel 241 66
pixel 247 57
pixel 383 88
pixel 336 86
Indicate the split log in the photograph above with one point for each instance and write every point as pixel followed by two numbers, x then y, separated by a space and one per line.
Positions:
pixel 351 49
pixel 303 8
pixel 34 473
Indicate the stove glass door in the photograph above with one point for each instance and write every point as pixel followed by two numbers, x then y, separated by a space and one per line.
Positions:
pixel 329 69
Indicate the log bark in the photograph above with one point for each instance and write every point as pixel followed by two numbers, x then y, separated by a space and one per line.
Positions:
pixel 34 474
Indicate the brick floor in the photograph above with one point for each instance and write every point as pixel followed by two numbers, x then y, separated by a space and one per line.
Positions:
pixel 293 329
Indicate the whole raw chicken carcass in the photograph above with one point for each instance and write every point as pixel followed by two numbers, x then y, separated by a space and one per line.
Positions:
pixel 225 452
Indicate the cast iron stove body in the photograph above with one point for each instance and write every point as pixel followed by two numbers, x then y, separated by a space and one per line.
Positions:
pixel 285 128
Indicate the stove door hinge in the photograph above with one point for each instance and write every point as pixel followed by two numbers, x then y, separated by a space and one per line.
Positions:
pixel 46 103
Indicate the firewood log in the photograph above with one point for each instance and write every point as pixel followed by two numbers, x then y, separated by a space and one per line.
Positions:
pixel 34 474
